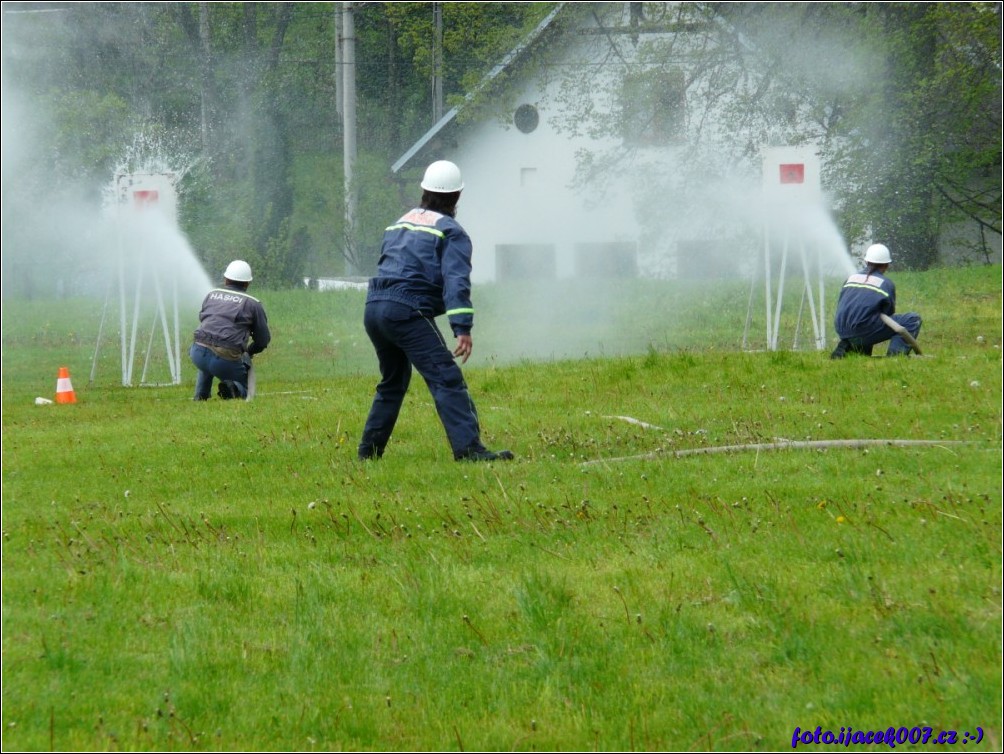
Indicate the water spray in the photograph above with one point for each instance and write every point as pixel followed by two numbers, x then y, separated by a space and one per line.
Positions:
pixel 796 229
pixel 155 269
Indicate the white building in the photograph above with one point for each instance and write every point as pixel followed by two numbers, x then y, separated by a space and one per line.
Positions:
pixel 642 187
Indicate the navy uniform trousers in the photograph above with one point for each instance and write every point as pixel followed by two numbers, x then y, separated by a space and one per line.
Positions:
pixel 897 345
pixel 403 337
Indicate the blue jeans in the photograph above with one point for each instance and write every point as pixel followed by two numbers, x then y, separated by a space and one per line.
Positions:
pixel 403 337
pixel 210 365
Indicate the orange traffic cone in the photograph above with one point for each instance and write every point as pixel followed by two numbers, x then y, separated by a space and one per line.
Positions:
pixel 64 388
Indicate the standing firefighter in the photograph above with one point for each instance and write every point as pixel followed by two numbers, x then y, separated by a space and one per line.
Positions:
pixel 424 271
pixel 233 328
pixel 867 300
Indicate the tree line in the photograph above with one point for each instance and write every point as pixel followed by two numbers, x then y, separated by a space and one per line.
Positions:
pixel 246 98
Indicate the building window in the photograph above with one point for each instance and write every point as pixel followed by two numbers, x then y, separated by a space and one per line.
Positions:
pixel 654 107
pixel 713 259
pixel 526 118
pixel 606 261
pixel 525 262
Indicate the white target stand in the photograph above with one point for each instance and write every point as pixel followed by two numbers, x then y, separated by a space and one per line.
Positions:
pixel 792 199
pixel 144 212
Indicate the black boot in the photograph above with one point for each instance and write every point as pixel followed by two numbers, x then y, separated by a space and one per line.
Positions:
pixel 227 390
pixel 841 350
pixel 483 454
pixel 368 451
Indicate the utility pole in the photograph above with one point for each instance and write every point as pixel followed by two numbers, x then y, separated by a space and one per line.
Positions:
pixel 349 133
pixel 437 63
pixel 205 51
pixel 339 99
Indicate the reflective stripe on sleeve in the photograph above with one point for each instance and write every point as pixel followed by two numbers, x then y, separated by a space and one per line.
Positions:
pixel 451 312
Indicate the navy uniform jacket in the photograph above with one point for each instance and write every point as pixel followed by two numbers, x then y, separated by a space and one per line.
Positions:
pixel 425 262
pixel 229 317
pixel 862 299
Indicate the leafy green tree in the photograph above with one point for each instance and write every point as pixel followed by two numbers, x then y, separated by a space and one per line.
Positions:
pixel 921 149
pixel 64 135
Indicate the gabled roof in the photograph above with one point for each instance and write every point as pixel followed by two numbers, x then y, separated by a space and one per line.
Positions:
pixel 509 60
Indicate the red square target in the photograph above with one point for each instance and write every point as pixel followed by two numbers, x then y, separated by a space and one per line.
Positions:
pixel 145 198
pixel 793 173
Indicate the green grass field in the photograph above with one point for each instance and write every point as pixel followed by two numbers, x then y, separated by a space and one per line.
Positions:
pixel 226 576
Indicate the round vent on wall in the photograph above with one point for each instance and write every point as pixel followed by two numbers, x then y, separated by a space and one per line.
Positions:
pixel 526 118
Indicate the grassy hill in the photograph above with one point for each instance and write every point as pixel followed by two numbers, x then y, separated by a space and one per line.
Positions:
pixel 226 576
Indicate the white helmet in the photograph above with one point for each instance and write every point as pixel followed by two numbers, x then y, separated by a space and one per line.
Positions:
pixel 239 271
pixel 442 177
pixel 878 254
